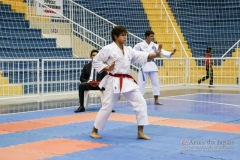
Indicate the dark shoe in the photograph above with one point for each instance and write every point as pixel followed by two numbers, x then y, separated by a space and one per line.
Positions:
pixel 198 82
pixel 113 110
pixel 158 103
pixel 80 109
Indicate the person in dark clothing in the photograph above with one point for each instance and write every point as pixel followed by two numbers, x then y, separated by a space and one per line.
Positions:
pixel 209 68
pixel 89 75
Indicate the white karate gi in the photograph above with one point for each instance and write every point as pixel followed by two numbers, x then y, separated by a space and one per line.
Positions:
pixel 150 69
pixel 106 56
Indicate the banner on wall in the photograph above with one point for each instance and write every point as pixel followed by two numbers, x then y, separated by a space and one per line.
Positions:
pixel 56 5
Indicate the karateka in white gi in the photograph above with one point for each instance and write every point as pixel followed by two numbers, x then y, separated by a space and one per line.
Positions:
pixel 150 69
pixel 116 58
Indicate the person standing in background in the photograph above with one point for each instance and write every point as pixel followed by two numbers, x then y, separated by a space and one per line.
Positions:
pixel 209 68
pixel 150 69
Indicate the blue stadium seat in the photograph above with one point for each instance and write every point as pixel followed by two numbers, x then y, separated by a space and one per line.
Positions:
pixel 207 23
pixel 20 32
pixel 115 11
pixel 35 52
pixel 5 7
pixel 11 15
pixel 18 40
pixel 14 23
pixel 13 42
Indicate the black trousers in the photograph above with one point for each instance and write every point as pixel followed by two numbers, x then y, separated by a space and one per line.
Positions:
pixel 209 74
pixel 85 87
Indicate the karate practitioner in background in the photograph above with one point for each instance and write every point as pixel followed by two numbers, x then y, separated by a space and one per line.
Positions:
pixel 116 58
pixel 150 69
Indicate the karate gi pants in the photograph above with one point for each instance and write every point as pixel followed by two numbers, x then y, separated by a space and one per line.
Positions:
pixel 134 97
pixel 142 80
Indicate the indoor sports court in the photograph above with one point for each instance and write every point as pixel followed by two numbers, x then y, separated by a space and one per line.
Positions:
pixel 45 45
pixel 200 124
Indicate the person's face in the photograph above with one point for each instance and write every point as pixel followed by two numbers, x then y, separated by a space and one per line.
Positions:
pixel 150 38
pixel 210 51
pixel 94 54
pixel 122 38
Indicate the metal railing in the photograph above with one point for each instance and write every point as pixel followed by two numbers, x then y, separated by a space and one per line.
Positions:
pixel 236 45
pixel 95 23
pixel 176 40
pixel 41 78
pixel 67 31
pixel 77 27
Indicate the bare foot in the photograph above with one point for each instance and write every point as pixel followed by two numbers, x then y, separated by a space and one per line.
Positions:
pixel 143 136
pixel 95 135
pixel 158 103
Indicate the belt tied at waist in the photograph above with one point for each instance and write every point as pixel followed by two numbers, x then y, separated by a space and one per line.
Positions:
pixel 121 76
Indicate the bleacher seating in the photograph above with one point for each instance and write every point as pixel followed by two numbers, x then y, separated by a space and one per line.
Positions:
pixel 20 32
pixel 207 23
pixel 129 14
pixel 34 53
pixel 14 23
pixel 20 41
pixel 4 14
pixel 5 7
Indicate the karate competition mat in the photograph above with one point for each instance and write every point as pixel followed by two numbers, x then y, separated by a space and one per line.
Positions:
pixel 199 126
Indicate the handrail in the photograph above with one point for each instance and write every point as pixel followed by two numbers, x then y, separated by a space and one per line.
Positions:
pixel 92 13
pixel 66 18
pixel 174 28
pixel 104 19
pixel 231 48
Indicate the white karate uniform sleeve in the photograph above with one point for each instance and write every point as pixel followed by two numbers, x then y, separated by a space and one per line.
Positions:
pixel 101 60
pixel 138 57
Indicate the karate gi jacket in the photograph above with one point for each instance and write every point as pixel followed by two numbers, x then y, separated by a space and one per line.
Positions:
pixel 110 53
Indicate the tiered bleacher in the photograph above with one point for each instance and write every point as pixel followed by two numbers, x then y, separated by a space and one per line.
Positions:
pixel 208 23
pixel 127 13
pixel 19 41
